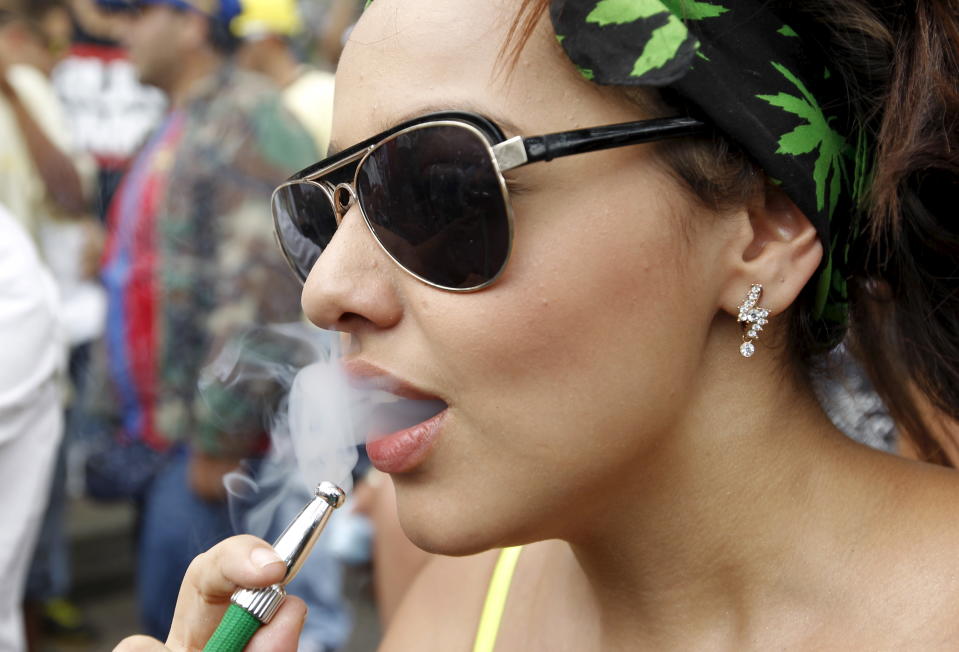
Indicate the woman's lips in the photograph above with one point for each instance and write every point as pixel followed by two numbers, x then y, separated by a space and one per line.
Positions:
pixel 404 450
pixel 412 417
pixel 363 375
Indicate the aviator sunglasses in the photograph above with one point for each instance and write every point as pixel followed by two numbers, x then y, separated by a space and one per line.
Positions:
pixel 432 193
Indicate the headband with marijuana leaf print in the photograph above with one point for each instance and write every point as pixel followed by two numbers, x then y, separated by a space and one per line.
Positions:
pixel 751 73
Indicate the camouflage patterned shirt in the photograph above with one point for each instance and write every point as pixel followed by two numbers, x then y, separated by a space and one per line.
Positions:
pixel 191 264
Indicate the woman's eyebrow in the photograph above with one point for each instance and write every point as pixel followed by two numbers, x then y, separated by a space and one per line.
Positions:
pixel 509 128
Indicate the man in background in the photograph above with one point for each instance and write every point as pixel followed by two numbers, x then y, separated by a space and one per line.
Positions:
pixel 37 172
pixel 190 264
pixel 45 181
pixel 109 111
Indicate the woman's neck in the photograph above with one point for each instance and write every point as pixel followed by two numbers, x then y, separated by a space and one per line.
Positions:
pixel 730 517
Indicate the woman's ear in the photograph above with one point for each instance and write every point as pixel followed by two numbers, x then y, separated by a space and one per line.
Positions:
pixel 780 251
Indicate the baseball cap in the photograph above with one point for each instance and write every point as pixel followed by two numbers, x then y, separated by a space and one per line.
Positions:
pixel 261 17
pixel 223 11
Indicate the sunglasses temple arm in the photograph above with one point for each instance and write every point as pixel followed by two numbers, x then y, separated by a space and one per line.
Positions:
pixel 580 141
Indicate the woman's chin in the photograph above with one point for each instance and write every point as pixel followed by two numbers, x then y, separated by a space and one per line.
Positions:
pixel 442 539
pixel 453 532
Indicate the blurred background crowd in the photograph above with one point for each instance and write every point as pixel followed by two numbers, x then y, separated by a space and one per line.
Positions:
pixel 140 141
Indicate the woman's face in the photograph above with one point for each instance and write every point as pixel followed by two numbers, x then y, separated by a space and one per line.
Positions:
pixel 568 373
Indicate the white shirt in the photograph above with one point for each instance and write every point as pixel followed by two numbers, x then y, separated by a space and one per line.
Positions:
pixel 31 414
pixel 31 341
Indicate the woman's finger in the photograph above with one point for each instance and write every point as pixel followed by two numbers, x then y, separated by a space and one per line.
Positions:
pixel 140 643
pixel 241 561
pixel 282 634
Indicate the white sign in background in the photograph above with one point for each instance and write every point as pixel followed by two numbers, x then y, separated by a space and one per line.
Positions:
pixel 109 110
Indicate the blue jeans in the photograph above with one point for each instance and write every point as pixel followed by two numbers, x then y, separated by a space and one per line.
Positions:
pixel 176 525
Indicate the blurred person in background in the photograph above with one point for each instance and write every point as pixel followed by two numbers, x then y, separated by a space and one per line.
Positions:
pixel 31 417
pixel 265 29
pixel 110 112
pixel 190 261
pixel 45 180
pixel 37 172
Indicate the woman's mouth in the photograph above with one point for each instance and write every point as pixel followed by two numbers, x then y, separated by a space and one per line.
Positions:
pixel 400 421
pixel 398 450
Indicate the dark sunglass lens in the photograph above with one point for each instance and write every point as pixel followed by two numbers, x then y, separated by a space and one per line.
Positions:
pixel 305 223
pixel 434 200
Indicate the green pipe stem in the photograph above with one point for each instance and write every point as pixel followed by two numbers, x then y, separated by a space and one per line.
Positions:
pixel 234 631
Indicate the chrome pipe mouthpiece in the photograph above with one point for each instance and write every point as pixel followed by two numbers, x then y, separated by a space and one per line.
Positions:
pixel 293 546
pixel 296 541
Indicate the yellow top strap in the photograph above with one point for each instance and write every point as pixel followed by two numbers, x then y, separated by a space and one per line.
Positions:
pixel 496 599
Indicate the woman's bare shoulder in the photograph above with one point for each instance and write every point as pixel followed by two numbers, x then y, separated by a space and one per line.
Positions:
pixel 917 575
pixel 441 609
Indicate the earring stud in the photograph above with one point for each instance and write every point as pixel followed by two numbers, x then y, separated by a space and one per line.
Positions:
pixel 753 318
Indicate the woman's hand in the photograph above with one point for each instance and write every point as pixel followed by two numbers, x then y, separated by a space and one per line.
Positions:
pixel 205 595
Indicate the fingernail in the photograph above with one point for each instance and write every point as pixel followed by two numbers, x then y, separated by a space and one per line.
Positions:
pixel 263 557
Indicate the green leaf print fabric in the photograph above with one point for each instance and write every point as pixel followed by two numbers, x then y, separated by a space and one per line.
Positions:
pixel 758 77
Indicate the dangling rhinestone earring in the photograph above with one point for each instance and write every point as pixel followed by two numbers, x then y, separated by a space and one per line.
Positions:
pixel 753 318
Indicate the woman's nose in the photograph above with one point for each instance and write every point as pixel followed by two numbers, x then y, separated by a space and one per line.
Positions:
pixel 352 286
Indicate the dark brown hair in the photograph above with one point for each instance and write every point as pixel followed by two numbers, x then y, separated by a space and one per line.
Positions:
pixel 900 63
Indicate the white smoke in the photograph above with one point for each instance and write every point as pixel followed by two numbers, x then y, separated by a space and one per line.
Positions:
pixel 319 418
